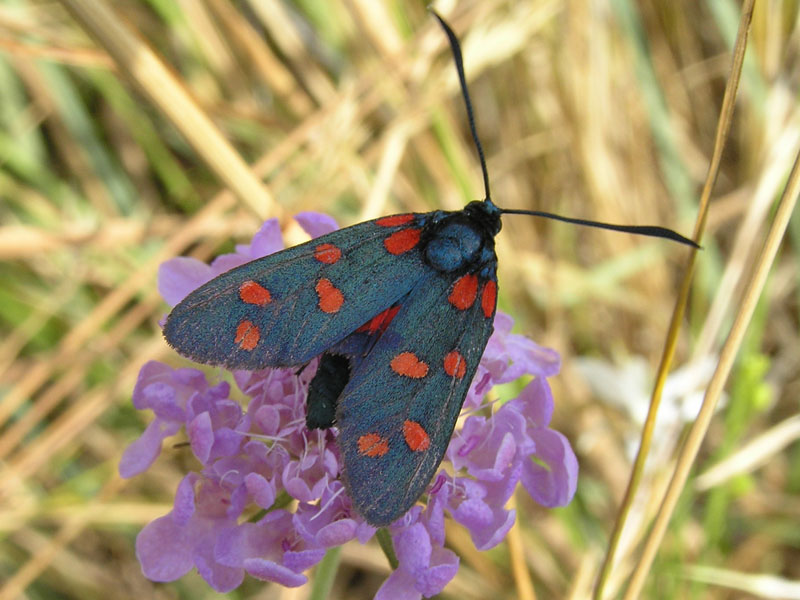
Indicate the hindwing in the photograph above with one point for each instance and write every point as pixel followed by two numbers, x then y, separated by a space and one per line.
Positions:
pixel 398 410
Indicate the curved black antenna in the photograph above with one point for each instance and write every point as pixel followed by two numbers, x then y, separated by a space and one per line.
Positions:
pixel 648 230
pixel 456 49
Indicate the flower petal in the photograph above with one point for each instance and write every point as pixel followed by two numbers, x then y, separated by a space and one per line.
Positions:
pixel 267 240
pixel 535 402
pixel 141 453
pixel 220 577
pixel 413 547
pixel 555 483
pixel 316 224
pixel 201 436
pixel 183 508
pixel 272 571
pixel 240 543
pixel 337 533
pixel 529 357
pixel 181 275
pixel 263 491
pixel 304 559
pixel 226 442
pixel 490 536
pixel 163 550
pixel 444 567
pixel 400 585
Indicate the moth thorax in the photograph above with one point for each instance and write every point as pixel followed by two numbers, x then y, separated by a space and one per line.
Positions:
pixel 453 247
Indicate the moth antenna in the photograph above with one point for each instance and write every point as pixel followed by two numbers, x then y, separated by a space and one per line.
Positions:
pixel 646 230
pixel 455 47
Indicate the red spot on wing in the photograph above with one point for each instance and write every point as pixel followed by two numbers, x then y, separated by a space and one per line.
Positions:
pixel 254 293
pixel 247 335
pixel 402 241
pixel 394 220
pixel 380 322
pixel 372 445
pixel 327 253
pixel 489 298
pixel 454 364
pixel 464 291
pixel 330 298
pixel 408 365
pixel 416 436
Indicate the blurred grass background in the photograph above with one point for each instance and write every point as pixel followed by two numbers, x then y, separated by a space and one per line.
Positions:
pixel 602 109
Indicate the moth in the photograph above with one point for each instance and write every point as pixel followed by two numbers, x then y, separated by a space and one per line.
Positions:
pixel 399 309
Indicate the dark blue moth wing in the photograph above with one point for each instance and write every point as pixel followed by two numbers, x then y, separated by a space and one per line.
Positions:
pixel 336 365
pixel 288 307
pixel 398 410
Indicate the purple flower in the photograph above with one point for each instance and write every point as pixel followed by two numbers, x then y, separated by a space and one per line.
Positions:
pixel 176 396
pixel 170 546
pixel 270 549
pixel 424 567
pixel 266 499
pixel 330 522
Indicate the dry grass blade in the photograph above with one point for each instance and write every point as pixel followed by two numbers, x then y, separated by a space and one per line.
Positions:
pixel 760 450
pixel 723 129
pixel 761 585
pixel 731 347
pixel 71 527
pixel 522 578
pixel 139 62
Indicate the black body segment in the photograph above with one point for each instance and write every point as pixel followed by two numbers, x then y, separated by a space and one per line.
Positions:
pixel 332 376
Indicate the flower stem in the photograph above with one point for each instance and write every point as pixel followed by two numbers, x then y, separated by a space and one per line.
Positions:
pixel 325 574
pixel 385 540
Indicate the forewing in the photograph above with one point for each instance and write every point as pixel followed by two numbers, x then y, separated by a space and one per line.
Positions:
pixel 399 408
pixel 286 308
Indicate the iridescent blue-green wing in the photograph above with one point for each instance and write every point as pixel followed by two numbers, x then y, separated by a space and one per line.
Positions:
pixel 286 308
pixel 398 410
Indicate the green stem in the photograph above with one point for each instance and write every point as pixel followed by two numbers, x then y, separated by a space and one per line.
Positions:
pixel 385 540
pixel 325 574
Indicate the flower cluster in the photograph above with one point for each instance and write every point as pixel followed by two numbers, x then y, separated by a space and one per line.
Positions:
pixel 231 517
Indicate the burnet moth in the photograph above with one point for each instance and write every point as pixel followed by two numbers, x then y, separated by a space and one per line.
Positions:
pixel 399 310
